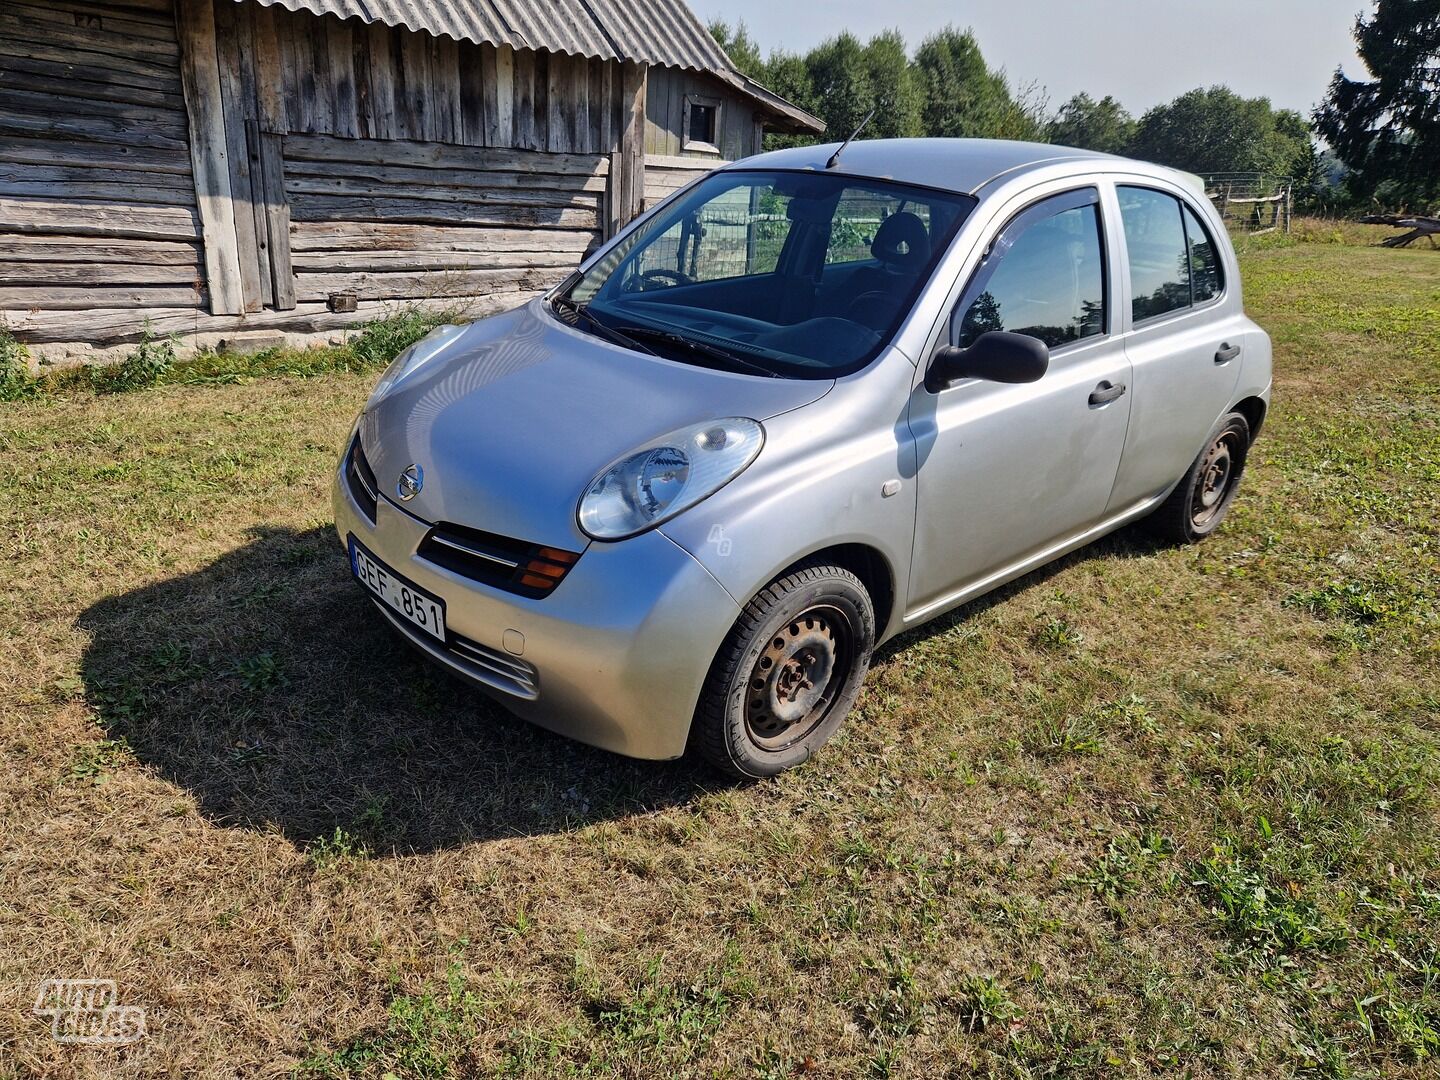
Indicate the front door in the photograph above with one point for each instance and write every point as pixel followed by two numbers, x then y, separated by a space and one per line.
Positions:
pixel 1005 471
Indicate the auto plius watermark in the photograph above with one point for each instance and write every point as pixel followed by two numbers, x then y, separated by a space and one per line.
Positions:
pixel 84 1012
pixel 723 544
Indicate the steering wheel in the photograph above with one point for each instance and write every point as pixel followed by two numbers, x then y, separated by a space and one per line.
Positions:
pixel 662 277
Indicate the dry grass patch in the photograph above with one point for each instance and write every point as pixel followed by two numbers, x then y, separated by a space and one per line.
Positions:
pixel 1147 810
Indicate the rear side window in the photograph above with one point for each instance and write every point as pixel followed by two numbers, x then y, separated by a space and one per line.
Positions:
pixel 1173 260
pixel 1045 276
pixel 1155 241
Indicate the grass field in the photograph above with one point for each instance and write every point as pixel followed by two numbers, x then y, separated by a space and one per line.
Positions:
pixel 1147 812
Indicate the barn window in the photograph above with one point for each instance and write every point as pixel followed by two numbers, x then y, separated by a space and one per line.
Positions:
pixel 702 124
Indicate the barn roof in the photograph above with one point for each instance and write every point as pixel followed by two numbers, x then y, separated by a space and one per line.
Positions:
pixel 664 33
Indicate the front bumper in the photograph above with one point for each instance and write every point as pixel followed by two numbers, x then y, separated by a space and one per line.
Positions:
pixel 617 653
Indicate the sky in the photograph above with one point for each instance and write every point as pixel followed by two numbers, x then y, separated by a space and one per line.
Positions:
pixel 1143 52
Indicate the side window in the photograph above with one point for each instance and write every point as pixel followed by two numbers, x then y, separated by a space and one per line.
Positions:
pixel 1206 278
pixel 1155 242
pixel 1044 276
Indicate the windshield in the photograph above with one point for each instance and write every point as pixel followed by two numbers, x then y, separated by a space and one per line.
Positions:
pixel 790 274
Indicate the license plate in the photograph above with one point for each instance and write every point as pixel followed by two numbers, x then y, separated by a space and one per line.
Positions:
pixel 400 596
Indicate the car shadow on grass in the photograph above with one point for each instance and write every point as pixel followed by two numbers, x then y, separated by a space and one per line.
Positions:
pixel 268 687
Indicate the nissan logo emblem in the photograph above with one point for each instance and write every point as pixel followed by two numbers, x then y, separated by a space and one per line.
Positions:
pixel 410 483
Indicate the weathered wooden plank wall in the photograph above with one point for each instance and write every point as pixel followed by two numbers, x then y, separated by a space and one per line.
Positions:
pixel 665 175
pixel 398 220
pixel 97 198
pixel 331 157
pixel 342 78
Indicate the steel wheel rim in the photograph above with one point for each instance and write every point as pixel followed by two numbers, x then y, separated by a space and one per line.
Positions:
pixel 1218 471
pixel 798 677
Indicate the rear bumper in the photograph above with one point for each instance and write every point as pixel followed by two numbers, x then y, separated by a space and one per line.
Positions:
pixel 614 657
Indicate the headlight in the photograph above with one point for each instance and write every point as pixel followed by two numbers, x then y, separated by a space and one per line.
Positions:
pixel 667 476
pixel 422 352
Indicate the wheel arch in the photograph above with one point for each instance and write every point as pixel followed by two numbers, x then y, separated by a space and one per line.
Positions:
pixel 867 563
pixel 1253 409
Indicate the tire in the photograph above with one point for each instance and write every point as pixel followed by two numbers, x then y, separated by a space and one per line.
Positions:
pixel 788 673
pixel 1205 493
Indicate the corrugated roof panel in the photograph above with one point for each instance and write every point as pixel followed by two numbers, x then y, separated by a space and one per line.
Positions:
pixel 663 32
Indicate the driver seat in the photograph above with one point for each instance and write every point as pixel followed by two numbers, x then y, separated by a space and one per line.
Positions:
pixel 872 293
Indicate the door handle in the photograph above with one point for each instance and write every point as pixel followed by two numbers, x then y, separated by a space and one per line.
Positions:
pixel 1226 353
pixel 1106 393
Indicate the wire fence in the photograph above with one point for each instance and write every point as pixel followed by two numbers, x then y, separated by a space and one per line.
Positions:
pixel 1250 201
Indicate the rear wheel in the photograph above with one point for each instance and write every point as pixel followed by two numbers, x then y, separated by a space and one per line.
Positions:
pixel 1203 497
pixel 788 673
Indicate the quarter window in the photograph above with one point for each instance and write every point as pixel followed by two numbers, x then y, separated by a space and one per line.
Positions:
pixel 1044 276
pixel 1206 279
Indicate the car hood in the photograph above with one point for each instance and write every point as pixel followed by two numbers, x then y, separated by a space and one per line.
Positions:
pixel 515 418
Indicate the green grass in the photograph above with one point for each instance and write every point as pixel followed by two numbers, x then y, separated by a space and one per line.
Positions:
pixel 1147 812
pixel 155 362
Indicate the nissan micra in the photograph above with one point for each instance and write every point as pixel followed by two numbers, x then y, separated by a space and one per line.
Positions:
pixel 808 402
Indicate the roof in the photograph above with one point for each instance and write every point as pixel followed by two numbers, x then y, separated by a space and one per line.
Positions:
pixel 964 165
pixel 664 33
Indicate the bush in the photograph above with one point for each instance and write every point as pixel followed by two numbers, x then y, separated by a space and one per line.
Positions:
pixel 16 382
pixel 151 361
pixel 381 341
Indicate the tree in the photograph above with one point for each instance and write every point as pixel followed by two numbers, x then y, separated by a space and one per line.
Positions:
pixel 744 53
pixel 1216 130
pixel 789 76
pixel 842 85
pixel 1102 125
pixel 963 97
pixel 899 100
pixel 1387 129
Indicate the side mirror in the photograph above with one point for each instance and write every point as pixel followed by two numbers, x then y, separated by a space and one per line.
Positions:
pixel 995 356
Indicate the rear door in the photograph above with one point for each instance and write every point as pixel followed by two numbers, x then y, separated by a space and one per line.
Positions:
pixel 1007 471
pixel 1186 329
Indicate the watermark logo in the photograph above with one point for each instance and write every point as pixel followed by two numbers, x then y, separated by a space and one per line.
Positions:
pixel 717 539
pixel 83 1012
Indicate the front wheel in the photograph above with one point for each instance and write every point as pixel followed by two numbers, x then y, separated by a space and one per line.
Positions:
pixel 787 674
pixel 1203 497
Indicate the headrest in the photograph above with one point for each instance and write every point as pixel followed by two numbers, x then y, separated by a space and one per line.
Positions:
pixel 902 242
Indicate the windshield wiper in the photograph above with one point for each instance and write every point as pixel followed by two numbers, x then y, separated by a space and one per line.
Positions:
pixel 609 333
pixel 700 348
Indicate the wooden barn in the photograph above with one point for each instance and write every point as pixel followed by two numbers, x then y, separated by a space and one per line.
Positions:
pixel 226 170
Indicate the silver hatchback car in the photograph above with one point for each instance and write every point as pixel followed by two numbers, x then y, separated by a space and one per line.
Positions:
pixel 803 405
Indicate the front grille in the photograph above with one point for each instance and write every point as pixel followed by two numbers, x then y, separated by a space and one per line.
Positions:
pixel 513 565
pixel 361 479
pixel 482 663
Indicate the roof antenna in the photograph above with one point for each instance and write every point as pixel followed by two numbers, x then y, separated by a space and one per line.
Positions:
pixel 835 157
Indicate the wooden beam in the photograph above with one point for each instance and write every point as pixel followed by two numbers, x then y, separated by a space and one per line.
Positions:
pixel 367 236
pixel 200 76
pixel 269 71
pixel 87 297
pixel 504 134
pixel 631 182
pixel 232 58
pixel 277 219
pixel 59 217
pixel 430 155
